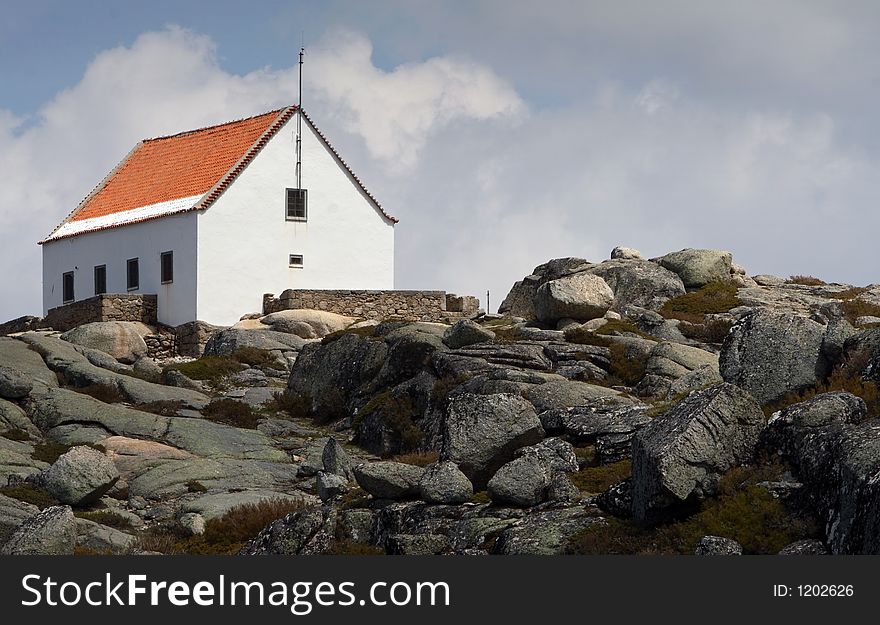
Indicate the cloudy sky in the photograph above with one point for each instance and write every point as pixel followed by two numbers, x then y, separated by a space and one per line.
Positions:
pixel 501 133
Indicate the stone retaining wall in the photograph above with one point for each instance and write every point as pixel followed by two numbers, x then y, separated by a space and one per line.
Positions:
pixel 190 338
pixel 108 307
pixel 408 305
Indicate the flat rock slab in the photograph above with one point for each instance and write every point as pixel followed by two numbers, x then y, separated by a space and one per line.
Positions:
pixel 170 478
pixel 215 505
pixel 63 358
pixel 201 437
pixel 16 354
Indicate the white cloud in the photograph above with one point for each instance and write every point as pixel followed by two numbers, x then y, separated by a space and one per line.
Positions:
pixel 396 112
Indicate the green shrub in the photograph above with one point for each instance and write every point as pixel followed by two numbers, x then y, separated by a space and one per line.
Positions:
pixel 397 414
pixel 622 327
pixel 419 459
pixel 715 297
pixel 225 535
pixel 806 281
pixel 208 368
pixel 194 486
pixel 480 497
pixel 16 435
pixel 626 366
pixel 364 332
pixel 255 357
pixel 601 478
pixel 855 308
pixel 710 331
pixel 291 404
pixel 50 451
pixel 30 494
pixel 231 412
pixel 162 407
pixel 103 393
pixel 444 386
pixel 581 336
pixel 743 512
pixel 841 379
pixel 105 517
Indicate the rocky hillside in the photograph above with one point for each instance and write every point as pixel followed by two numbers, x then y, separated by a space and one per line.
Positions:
pixel 671 405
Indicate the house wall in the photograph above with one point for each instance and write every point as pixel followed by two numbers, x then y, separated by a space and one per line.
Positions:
pixel 113 247
pixel 245 241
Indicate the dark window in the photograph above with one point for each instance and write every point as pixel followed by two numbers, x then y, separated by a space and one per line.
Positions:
pixel 167 267
pixel 132 272
pixel 296 260
pixel 67 286
pixel 100 279
pixel 297 205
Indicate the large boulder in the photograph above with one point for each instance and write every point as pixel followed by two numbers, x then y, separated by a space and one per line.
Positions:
pixel 330 377
pixel 466 332
pixel 51 532
pixel 336 460
pixel 226 342
pixel 520 301
pixel 838 459
pixel 121 339
pixel 307 323
pixel 771 354
pixel 16 355
pixel 522 482
pixel 669 362
pixel 12 514
pixel 13 383
pixel 482 432
pixel 80 476
pixel 609 426
pixel 581 296
pixel 638 283
pixel 697 268
pixel 444 483
pixel 718 546
pixel 683 453
pixel 305 532
pixel 389 480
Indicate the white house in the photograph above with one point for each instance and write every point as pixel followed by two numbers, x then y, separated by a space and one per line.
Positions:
pixel 211 219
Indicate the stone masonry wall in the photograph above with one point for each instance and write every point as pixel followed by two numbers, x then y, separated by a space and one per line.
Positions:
pixel 108 307
pixel 408 305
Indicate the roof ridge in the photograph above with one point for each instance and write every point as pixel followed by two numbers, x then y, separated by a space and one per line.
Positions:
pixel 220 125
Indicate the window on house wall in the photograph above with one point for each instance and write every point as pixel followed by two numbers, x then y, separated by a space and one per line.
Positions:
pixel 67 286
pixel 132 273
pixel 295 260
pixel 100 279
pixel 297 205
pixel 167 259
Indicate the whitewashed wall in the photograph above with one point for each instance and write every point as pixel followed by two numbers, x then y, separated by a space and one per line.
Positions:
pixel 113 247
pixel 245 241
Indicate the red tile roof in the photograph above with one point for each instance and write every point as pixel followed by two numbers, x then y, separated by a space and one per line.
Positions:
pixel 198 162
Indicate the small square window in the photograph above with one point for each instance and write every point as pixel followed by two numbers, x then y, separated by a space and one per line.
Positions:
pixel 100 279
pixel 67 287
pixel 296 260
pixel 297 205
pixel 132 272
pixel 167 262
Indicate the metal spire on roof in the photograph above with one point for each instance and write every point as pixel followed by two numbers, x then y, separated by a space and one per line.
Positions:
pixel 302 51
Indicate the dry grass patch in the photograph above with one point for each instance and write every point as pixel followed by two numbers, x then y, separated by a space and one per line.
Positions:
pixel 225 535
pixel 806 281
pixel 715 297
pixel 599 479
pixel 231 412
pixel 419 459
